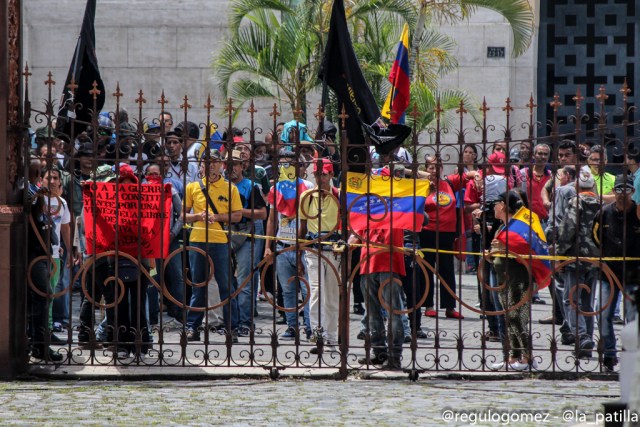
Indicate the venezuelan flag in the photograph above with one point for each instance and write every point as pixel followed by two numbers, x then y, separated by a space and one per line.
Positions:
pixel 524 236
pixel 286 193
pixel 378 202
pixel 398 98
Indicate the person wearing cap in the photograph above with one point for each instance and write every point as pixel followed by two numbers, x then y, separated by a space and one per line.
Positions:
pixel 151 145
pixel 248 251
pixel 208 234
pixel 604 181
pixel 283 224
pixel 513 277
pixel 440 233
pixel 319 213
pixel 617 232
pixel 575 239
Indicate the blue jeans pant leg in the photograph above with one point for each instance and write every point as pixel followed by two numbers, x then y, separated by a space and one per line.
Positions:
pixel 61 303
pixel 607 333
pixel 286 269
pixel 174 278
pixel 246 262
pixel 226 285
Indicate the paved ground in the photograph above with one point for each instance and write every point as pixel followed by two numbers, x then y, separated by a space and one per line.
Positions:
pixel 305 402
pixel 452 345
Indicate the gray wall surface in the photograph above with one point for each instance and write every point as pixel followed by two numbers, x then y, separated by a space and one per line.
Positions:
pixel 155 46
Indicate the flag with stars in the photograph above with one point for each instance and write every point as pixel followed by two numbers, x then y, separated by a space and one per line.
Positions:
pixel 286 193
pixel 379 202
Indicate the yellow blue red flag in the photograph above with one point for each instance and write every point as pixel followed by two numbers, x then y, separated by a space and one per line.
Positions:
pixel 380 202
pixel 523 235
pixel 398 99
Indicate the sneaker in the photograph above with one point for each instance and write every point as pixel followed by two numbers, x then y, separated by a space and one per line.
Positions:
pixel 361 335
pixel 57 327
pixel 392 364
pixel 407 339
pixel 288 335
pixel 617 320
pixel 497 366
pixel 234 337
pixel 491 337
pixel 568 339
pixel 358 309
pixel 421 334
pixel 375 360
pixel 523 366
pixel 282 320
pixel 585 350
pixel 537 300
pixel 609 363
pixel 327 348
pixel 453 314
pixel 193 335
pixel 46 354
pixel 550 321
pixel 243 331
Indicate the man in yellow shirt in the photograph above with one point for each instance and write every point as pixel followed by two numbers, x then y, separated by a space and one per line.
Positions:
pixel 207 218
pixel 319 214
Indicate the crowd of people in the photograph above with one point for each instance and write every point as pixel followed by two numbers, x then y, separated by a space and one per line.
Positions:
pixel 235 203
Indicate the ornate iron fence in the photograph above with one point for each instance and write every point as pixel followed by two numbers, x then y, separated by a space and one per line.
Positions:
pixel 162 304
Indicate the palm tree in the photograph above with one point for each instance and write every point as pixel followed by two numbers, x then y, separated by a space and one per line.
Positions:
pixel 277 45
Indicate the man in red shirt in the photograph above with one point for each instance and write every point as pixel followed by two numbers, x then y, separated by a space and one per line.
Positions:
pixel 382 266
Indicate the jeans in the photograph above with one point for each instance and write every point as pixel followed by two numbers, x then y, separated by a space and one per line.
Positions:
pixel 392 294
pixel 61 303
pixel 37 305
pixel 247 262
pixel 200 272
pixel 497 303
pixel 174 279
pixel 286 268
pixel 580 325
pixel 607 314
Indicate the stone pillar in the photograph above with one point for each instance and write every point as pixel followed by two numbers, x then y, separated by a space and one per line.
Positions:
pixel 12 234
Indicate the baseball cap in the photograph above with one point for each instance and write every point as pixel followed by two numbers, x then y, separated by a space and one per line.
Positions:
pixel 498 161
pixel 327 166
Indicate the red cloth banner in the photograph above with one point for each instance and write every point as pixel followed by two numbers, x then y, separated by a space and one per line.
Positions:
pixel 139 212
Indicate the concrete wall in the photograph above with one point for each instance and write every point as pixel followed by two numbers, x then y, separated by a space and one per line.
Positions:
pixel 153 45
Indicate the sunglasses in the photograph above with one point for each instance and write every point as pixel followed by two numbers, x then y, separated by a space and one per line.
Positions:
pixel 623 190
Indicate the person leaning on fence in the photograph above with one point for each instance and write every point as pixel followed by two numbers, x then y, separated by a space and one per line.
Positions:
pixel 319 213
pixel 515 278
pixel 39 246
pixel 439 234
pixel 211 203
pixel 575 239
pixel 617 232
pixel 247 250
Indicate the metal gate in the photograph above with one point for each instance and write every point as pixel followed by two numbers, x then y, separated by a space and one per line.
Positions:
pixel 154 280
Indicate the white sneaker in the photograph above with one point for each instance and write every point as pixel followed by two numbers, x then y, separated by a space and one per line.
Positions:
pixel 497 366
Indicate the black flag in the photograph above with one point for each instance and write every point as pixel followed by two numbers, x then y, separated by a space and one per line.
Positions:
pixel 83 71
pixel 341 72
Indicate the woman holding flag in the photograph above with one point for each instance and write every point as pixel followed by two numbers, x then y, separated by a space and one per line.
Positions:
pixel 519 234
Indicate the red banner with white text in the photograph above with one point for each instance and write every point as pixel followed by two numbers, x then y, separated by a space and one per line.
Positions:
pixel 140 213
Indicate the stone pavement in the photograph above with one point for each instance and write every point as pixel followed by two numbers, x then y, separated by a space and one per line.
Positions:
pixel 451 346
pixel 243 402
